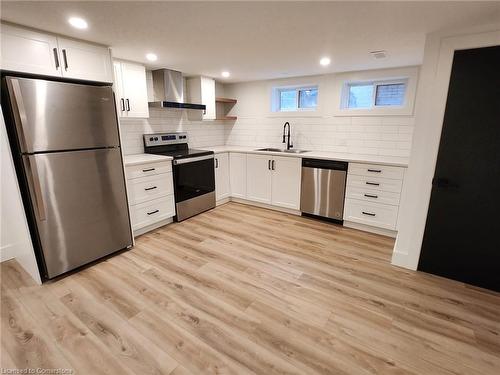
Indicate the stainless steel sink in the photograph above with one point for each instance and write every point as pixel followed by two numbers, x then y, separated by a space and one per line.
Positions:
pixel 270 149
pixel 291 151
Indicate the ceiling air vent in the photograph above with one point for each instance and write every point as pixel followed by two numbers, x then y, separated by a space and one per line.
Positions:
pixel 381 54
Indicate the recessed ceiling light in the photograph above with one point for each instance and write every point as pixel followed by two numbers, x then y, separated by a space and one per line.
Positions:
pixel 151 57
pixel 78 23
pixel 225 74
pixel 325 61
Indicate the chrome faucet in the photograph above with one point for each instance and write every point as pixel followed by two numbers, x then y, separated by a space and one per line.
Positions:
pixel 287 136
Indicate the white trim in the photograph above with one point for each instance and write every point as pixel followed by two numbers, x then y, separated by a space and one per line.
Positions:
pixel 268 206
pixel 433 91
pixel 222 201
pixel 151 227
pixel 370 229
pixel 407 74
pixel 276 98
pixel 7 252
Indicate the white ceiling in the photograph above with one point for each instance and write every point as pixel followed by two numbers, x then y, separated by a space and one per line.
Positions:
pixel 257 40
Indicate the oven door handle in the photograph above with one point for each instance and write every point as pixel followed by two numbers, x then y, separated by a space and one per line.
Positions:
pixel 192 160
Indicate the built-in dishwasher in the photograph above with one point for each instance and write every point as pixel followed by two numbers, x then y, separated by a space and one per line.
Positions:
pixel 323 188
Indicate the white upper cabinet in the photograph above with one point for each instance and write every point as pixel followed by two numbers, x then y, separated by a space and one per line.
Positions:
pixel 29 51
pixel 238 174
pixel 201 90
pixel 85 61
pixel 259 178
pixel 131 89
pixel 222 189
pixel 286 172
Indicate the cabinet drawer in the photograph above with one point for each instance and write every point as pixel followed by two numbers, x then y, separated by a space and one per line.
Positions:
pixel 374 183
pixel 374 214
pixel 144 189
pixel 150 212
pixel 376 170
pixel 376 196
pixel 148 169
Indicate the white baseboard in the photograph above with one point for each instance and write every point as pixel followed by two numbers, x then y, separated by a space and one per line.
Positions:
pixel 369 228
pixel 7 252
pixel 151 227
pixel 268 206
pixel 222 201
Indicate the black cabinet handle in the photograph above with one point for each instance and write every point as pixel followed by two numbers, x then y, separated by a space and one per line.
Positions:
pixel 128 105
pixel 153 212
pixel 122 104
pixel 216 163
pixel 273 165
pixel 150 188
pixel 65 58
pixel 375 170
pixel 372 183
pixel 368 213
pixel 148 170
pixel 56 58
pixel 269 164
pixel 371 196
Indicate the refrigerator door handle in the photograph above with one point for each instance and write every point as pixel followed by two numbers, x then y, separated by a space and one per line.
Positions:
pixel 20 116
pixel 37 188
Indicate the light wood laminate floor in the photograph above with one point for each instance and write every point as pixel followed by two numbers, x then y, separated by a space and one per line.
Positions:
pixel 243 290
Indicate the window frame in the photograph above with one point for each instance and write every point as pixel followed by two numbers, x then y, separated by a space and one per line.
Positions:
pixel 375 83
pixel 276 103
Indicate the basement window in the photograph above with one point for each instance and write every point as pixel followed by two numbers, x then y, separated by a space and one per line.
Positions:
pixel 375 94
pixel 290 99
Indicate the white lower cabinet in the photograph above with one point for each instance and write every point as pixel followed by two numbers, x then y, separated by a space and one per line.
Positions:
pixel 151 195
pixel 259 184
pixel 238 174
pixel 274 180
pixel 222 186
pixel 372 195
pixel 286 179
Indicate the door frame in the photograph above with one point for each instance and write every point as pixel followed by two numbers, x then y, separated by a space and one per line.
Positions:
pixel 431 103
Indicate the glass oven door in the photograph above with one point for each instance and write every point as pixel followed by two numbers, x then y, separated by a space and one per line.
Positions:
pixel 193 177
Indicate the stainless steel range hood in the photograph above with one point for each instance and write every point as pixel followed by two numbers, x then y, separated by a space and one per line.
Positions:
pixel 168 86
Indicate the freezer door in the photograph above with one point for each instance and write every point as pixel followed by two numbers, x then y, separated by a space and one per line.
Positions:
pixel 54 116
pixel 80 206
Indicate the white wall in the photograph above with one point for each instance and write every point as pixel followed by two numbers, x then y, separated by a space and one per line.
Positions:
pixel 323 130
pixel 15 241
pixel 431 102
pixel 201 133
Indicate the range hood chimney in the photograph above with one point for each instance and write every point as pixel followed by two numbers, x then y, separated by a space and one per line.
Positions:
pixel 168 86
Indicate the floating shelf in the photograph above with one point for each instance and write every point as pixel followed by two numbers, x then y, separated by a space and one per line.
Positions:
pixel 226 100
pixel 227 118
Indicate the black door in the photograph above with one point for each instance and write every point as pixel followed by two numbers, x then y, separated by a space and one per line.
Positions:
pixel 462 233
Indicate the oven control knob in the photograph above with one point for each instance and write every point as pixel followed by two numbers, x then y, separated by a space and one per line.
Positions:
pixel 151 139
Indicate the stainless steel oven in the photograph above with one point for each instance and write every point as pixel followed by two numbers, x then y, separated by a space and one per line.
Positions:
pixel 193 172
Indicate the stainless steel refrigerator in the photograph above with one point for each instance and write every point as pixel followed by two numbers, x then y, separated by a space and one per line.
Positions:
pixel 67 146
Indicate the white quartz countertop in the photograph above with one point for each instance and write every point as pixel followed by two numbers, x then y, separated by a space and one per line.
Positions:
pixel 144 158
pixel 353 158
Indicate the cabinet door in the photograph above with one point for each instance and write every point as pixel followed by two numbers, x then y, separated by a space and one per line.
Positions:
pixel 118 89
pixel 259 178
pixel 286 182
pixel 85 61
pixel 28 51
pixel 222 189
pixel 135 90
pixel 238 174
pixel 208 97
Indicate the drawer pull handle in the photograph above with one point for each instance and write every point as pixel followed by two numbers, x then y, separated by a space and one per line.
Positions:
pixel 375 170
pixel 148 170
pixel 150 188
pixel 368 213
pixel 372 183
pixel 371 196
pixel 153 212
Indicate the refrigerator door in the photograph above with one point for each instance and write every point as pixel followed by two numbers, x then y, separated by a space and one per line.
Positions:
pixel 54 116
pixel 80 206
